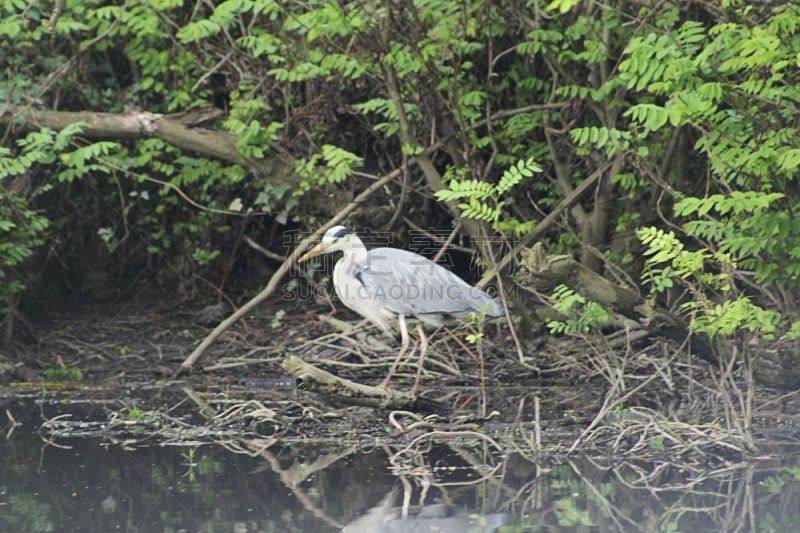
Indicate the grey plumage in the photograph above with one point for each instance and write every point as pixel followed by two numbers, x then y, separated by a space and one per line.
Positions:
pixel 384 283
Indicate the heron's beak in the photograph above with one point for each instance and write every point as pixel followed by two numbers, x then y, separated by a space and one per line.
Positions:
pixel 315 251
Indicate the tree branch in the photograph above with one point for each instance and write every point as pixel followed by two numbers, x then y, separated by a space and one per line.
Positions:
pixel 282 270
pixel 143 125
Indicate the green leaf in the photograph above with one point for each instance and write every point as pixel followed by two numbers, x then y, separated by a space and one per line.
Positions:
pixel 562 5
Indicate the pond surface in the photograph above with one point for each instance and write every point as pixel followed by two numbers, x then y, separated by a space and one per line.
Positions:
pixel 457 485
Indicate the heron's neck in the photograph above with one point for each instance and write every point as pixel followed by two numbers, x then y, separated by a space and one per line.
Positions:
pixel 354 250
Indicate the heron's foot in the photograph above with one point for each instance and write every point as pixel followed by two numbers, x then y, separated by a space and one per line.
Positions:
pixel 385 383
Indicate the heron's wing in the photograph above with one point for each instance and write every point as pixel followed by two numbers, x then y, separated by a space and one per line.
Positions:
pixel 407 283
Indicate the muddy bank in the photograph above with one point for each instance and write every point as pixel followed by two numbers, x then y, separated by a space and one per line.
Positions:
pixel 570 393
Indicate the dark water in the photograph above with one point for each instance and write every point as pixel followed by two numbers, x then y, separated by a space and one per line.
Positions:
pixel 84 484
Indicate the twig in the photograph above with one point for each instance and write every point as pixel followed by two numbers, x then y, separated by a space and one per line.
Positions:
pixel 609 404
pixel 208 74
pixel 544 225
pixel 446 243
pixel 504 299
pixel 263 251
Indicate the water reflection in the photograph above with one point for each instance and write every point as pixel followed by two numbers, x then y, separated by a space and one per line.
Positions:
pixel 431 484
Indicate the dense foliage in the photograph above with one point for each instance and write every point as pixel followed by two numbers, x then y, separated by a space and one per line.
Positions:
pixel 684 115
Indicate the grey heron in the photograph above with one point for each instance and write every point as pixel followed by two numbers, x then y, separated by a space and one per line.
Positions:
pixel 386 285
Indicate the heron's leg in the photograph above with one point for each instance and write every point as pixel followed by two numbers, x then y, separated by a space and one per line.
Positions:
pixel 403 347
pixel 423 349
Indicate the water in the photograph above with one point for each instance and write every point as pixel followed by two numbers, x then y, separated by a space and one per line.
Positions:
pixel 463 485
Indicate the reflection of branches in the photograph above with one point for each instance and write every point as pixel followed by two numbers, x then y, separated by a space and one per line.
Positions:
pixel 256 445
pixel 695 486
pixel 606 503
pixel 685 491
pixel 643 433
pixel 256 413
pixel 496 480
pixel 436 437
pixel 413 461
pixel 292 477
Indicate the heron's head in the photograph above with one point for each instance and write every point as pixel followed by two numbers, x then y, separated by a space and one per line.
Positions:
pixel 334 240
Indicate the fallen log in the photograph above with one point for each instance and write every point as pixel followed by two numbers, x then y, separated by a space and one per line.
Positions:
pixel 336 389
pixel 544 273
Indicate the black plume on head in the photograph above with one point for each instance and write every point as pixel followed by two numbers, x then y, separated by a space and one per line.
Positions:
pixel 341 232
